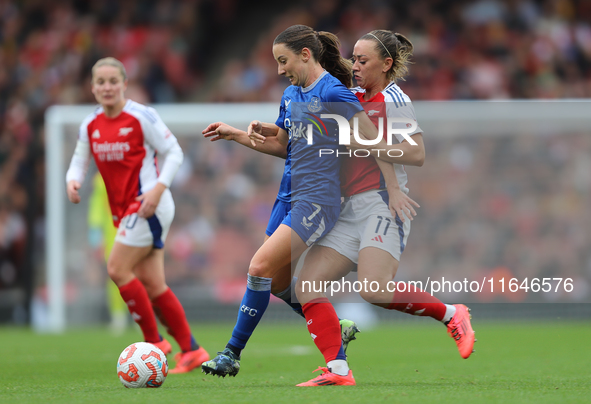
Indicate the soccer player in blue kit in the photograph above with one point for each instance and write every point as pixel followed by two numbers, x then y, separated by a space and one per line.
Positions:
pixel 308 203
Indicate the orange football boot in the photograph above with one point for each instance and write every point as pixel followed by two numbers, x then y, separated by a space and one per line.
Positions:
pixel 164 346
pixel 460 329
pixel 187 361
pixel 329 379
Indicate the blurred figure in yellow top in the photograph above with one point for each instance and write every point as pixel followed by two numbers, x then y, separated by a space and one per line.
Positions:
pixel 102 235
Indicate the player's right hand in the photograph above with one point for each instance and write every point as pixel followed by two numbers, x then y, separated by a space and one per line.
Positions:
pixel 72 190
pixel 218 130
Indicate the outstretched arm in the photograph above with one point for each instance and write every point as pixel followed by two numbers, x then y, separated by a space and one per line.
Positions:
pixel 274 139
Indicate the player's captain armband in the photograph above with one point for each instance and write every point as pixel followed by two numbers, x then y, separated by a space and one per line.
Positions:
pixel 79 163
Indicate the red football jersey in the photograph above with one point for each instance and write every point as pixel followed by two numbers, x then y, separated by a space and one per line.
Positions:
pixel 360 174
pixel 124 149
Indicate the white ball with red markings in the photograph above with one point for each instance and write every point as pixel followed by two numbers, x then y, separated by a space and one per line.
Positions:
pixel 142 365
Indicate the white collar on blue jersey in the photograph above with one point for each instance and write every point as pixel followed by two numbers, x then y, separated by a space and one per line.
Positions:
pixel 311 86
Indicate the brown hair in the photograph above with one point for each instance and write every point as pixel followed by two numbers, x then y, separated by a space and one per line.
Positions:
pixel 109 61
pixel 324 47
pixel 395 46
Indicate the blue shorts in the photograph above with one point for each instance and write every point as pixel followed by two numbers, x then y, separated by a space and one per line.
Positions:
pixel 312 221
pixel 280 211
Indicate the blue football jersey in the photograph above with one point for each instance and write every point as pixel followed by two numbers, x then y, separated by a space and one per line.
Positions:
pixel 308 175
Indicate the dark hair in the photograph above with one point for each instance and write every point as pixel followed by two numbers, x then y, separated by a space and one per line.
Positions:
pixel 324 47
pixel 395 46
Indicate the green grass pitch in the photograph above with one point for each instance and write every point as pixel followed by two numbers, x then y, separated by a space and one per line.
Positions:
pixel 407 363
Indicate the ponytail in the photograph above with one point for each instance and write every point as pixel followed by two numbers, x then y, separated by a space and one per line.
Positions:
pixel 332 61
pixel 403 56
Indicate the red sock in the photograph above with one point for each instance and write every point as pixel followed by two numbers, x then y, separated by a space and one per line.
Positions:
pixel 324 327
pixel 172 315
pixel 135 296
pixel 416 302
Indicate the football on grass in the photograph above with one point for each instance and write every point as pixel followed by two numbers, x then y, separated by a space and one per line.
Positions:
pixel 142 365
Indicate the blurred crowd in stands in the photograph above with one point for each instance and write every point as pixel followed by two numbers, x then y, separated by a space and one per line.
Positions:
pixel 220 51
pixel 512 206
pixel 483 49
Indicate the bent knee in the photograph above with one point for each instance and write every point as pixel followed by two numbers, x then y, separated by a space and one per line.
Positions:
pixel 261 269
pixel 114 269
pixel 303 295
pixel 369 296
pixel 375 293
pixel 118 274
pixel 308 290
pixel 298 289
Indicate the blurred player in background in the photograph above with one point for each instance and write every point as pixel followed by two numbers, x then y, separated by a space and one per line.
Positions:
pixel 309 192
pixel 124 138
pixel 101 235
pixel 368 235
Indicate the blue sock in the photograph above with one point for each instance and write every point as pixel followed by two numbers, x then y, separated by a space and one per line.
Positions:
pixel 291 299
pixel 253 306
pixel 194 345
pixel 341 354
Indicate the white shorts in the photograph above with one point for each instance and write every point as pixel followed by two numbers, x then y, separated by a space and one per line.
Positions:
pixel 366 221
pixel 136 231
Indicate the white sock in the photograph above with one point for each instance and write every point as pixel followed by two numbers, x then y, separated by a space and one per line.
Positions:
pixel 339 367
pixel 450 310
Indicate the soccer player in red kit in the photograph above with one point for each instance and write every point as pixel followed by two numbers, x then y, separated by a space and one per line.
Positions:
pixel 124 138
pixel 369 234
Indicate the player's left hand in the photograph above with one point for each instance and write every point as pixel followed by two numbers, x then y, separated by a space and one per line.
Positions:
pixel 401 204
pixel 255 133
pixel 150 200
